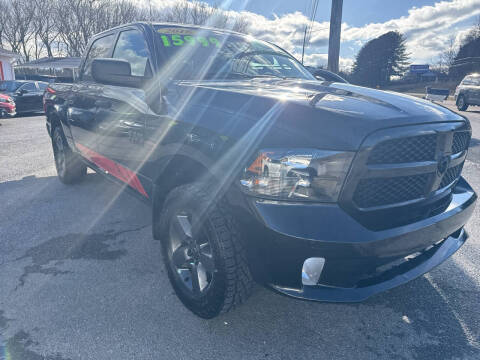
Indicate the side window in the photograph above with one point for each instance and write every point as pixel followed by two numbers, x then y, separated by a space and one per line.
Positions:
pixel 131 46
pixel 42 86
pixel 30 87
pixel 99 49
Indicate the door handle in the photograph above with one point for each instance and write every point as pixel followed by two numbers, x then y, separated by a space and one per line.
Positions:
pixel 104 104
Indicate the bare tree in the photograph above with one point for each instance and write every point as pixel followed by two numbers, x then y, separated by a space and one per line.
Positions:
pixel 45 25
pixel 78 20
pixel 3 17
pixel 122 12
pixel 447 57
pixel 17 31
pixel 199 13
pixel 36 28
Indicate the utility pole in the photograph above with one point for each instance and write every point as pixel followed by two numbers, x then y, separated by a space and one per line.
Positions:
pixel 304 40
pixel 335 31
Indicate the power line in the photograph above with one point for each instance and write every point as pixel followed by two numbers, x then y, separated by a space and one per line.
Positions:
pixel 307 35
pixel 312 20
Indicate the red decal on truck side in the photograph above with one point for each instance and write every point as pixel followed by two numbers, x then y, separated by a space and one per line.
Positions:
pixel 113 168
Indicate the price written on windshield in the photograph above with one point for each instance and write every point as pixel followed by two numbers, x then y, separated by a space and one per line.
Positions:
pixel 181 40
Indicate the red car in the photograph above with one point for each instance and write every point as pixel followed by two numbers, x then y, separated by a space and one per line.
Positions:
pixel 7 106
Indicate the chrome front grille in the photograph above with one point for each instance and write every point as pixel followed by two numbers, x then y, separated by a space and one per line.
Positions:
pixel 405 166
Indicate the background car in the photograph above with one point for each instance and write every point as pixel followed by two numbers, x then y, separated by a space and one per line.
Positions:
pixel 27 95
pixel 468 92
pixel 7 106
pixel 322 74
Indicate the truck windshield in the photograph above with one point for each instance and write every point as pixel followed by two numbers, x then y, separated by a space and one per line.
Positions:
pixel 193 54
pixel 9 86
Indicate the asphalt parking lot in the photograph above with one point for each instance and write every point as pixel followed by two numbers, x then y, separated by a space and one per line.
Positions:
pixel 81 278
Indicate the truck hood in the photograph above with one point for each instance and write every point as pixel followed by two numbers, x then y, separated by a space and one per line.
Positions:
pixel 344 113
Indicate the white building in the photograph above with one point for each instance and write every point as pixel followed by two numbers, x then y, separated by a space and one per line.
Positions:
pixel 6 64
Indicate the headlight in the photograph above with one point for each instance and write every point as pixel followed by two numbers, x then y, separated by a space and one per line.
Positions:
pixel 297 174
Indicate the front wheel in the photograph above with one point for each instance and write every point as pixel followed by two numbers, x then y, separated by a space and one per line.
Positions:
pixel 203 252
pixel 462 103
pixel 70 167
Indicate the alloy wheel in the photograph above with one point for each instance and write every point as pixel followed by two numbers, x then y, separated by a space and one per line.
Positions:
pixel 191 255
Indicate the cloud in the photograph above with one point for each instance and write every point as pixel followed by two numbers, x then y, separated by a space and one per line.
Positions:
pixel 427 29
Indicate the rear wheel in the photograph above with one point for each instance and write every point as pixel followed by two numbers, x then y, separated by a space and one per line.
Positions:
pixel 203 252
pixel 462 103
pixel 70 167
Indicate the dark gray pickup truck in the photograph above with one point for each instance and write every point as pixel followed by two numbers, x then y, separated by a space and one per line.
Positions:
pixel 256 170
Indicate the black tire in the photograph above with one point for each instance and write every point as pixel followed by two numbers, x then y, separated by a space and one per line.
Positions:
pixel 226 280
pixel 462 103
pixel 70 168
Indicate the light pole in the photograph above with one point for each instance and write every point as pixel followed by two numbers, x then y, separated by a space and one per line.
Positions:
pixel 335 31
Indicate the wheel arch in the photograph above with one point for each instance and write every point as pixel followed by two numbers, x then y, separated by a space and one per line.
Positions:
pixel 52 118
pixel 175 170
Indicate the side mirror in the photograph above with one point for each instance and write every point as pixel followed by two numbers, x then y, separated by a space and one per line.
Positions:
pixel 21 92
pixel 318 77
pixel 115 72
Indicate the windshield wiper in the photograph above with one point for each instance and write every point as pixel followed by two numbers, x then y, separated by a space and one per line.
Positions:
pixel 252 76
pixel 236 75
pixel 259 52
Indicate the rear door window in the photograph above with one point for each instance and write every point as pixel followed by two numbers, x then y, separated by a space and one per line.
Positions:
pixel 30 87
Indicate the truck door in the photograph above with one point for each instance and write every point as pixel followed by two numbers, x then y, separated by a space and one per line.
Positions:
pixel 121 113
pixel 25 99
pixel 82 101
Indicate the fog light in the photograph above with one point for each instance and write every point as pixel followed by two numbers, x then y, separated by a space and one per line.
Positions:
pixel 311 270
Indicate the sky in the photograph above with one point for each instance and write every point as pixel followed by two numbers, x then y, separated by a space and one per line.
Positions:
pixel 428 25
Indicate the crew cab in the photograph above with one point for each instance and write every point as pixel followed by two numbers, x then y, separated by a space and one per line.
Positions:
pixel 257 171
pixel 468 92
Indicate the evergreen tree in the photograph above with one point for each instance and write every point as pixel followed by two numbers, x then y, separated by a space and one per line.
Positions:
pixel 467 59
pixel 380 59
